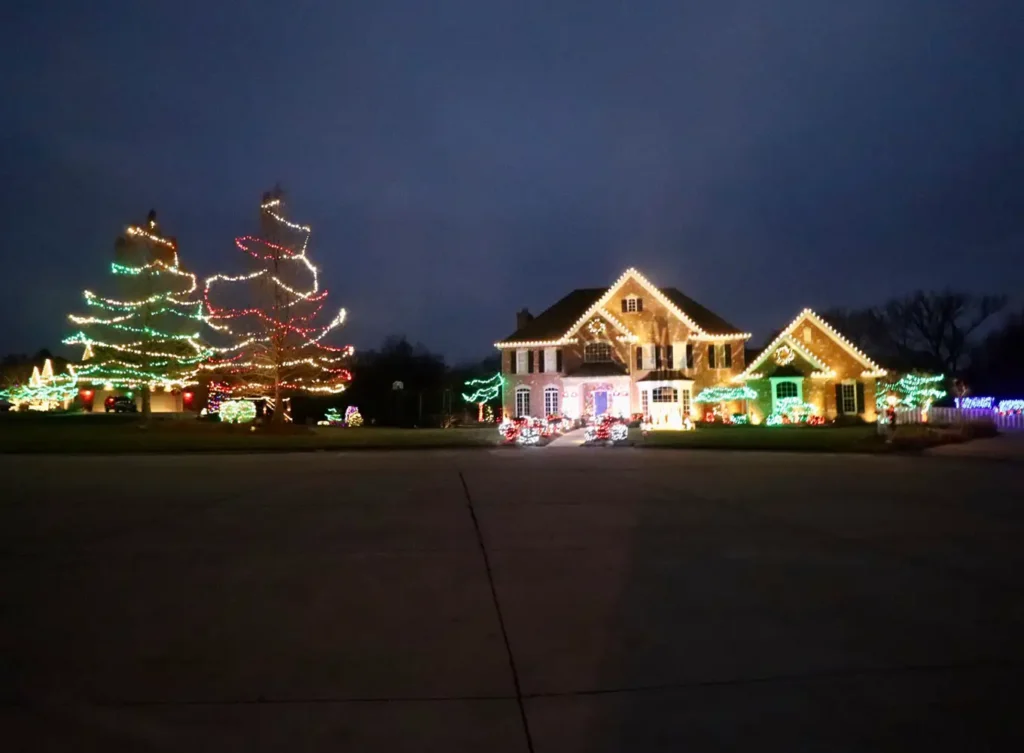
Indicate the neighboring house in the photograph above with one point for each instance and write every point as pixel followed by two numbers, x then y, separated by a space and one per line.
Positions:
pixel 811 361
pixel 630 348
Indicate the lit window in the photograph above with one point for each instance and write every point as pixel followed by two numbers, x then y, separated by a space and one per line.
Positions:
pixel 632 304
pixel 785 389
pixel 686 402
pixel 596 352
pixel 849 398
pixel 644 402
pixel 664 395
pixel 550 400
pixel 522 401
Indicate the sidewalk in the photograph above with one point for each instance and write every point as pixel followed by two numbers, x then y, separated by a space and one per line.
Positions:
pixel 573 438
pixel 1008 446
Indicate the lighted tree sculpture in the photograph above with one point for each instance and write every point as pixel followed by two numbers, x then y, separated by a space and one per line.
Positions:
pixel 268 317
pixel 484 390
pixel 148 336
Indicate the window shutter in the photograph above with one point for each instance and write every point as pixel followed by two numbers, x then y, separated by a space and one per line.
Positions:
pixel 727 352
pixel 711 356
pixel 839 398
pixel 623 305
pixel 639 357
pixel 860 397
pixel 529 361
pixel 558 360
pixel 689 355
pixel 512 361
pixel 542 365
pixel 639 304
pixel 669 360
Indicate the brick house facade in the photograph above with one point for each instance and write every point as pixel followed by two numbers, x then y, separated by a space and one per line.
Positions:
pixel 627 349
pixel 812 361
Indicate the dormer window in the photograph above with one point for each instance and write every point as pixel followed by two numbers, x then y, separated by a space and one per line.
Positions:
pixel 597 352
pixel 632 304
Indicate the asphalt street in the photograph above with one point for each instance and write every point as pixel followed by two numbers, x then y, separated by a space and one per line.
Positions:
pixel 552 600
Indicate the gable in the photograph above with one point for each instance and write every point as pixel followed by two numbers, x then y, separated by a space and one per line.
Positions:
pixel 552 324
pixel 820 344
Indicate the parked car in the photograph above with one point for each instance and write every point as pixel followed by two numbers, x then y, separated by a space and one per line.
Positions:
pixel 120 404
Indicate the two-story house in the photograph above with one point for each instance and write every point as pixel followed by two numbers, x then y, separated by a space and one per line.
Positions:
pixel 629 348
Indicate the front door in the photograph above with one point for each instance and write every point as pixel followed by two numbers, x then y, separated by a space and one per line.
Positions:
pixel 600 403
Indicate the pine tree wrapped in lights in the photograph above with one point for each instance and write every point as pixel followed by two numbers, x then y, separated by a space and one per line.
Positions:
pixel 149 335
pixel 274 347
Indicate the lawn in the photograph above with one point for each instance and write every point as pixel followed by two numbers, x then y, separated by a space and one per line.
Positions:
pixel 782 438
pixel 124 434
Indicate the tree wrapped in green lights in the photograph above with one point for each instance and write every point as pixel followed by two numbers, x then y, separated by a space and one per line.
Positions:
pixel 149 335
pixel 911 391
pixel 482 392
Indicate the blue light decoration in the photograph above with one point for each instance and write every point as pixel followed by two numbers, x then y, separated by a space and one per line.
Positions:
pixel 975 403
pixel 1015 405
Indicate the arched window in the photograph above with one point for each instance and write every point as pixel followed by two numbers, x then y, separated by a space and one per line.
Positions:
pixel 597 352
pixel 550 400
pixel 664 395
pixel 786 389
pixel 522 401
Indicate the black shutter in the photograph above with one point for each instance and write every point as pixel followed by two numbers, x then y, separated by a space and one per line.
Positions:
pixel 639 357
pixel 689 355
pixel 542 360
pixel 860 397
pixel 558 360
pixel 512 362
pixel 639 304
pixel 529 361
pixel 669 360
pixel 727 352
pixel 711 356
pixel 623 305
pixel 839 399
pixel 657 356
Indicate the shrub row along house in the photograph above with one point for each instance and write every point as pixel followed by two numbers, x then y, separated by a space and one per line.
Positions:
pixel 634 348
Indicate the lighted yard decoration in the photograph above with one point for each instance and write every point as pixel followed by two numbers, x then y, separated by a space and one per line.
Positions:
pixel 482 391
pixel 274 344
pixel 45 390
pixel 332 418
pixel 912 391
pixel 606 429
pixel 237 411
pixel 719 396
pixel 149 336
pixel 353 418
pixel 792 410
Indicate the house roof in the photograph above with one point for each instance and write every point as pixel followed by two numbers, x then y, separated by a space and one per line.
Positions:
pixel 598 369
pixel 553 322
pixel 872 369
pixel 557 322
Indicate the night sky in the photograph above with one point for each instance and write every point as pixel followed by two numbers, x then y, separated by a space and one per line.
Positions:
pixel 460 160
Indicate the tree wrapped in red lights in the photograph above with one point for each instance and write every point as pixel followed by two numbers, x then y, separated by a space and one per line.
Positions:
pixel 276 346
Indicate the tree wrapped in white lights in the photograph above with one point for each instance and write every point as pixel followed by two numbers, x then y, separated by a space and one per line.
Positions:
pixel 275 347
pixel 149 335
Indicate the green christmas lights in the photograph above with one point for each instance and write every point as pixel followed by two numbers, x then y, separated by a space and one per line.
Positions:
pixel 486 389
pixel 911 391
pixel 237 411
pixel 725 394
pixel 45 390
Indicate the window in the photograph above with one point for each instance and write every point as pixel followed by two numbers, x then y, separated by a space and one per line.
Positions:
pixel 550 362
pixel 807 334
pixel 639 357
pixel 849 393
pixel 727 353
pixel 520 362
pixel 595 352
pixel 686 402
pixel 550 400
pixel 631 304
pixel 786 389
pixel 522 401
pixel 644 402
pixel 689 355
pixel 664 395
pixel 712 364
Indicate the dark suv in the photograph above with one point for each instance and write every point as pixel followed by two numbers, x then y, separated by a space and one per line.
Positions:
pixel 120 404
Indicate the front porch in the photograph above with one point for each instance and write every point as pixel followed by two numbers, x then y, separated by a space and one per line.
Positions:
pixel 595 396
pixel 666 399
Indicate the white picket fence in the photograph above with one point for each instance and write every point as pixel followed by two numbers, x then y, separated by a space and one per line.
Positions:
pixel 953 416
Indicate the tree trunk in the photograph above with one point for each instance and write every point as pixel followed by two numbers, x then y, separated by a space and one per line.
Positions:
pixel 147 403
pixel 278 415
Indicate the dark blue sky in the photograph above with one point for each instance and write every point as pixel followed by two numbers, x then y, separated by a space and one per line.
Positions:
pixel 459 160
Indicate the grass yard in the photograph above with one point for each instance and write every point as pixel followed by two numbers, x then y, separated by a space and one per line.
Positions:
pixel 124 434
pixel 782 438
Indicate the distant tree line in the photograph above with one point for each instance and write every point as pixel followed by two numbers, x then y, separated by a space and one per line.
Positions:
pixel 960 335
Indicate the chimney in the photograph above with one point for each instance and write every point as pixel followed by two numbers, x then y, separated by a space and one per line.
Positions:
pixel 523 318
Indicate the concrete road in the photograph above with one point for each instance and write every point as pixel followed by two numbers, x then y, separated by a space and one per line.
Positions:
pixel 586 600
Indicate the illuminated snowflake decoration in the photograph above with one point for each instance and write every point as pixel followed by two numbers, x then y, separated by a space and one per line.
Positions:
pixel 597 327
pixel 784 355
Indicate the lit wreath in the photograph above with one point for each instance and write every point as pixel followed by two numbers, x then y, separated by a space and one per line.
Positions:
pixel 784 355
pixel 596 327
